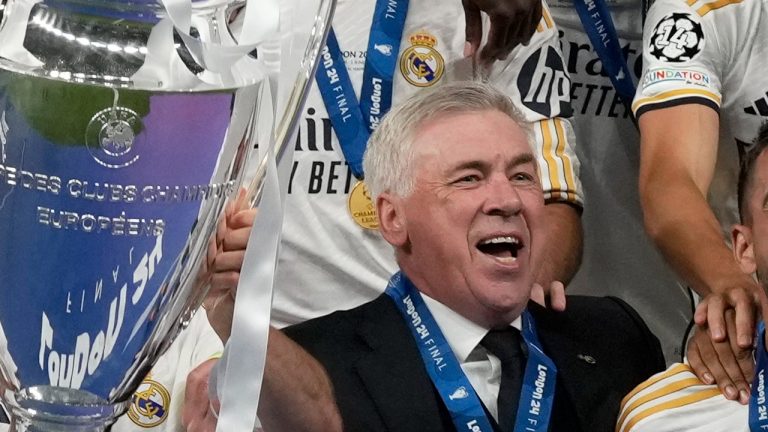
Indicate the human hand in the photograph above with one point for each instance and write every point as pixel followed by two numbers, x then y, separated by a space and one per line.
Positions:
pixel 742 296
pixel 553 298
pixel 197 413
pixel 513 22
pixel 225 258
pixel 724 363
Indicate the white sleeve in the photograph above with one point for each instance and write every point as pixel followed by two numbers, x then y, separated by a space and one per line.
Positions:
pixel 675 400
pixel 682 62
pixel 535 78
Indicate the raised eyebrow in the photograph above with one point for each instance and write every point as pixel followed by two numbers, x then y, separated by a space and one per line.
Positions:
pixel 470 165
pixel 523 159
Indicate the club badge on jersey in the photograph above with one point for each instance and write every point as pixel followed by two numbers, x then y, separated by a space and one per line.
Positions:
pixel 150 404
pixel 421 64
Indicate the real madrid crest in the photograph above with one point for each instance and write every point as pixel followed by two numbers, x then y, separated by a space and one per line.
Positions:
pixel 150 404
pixel 421 64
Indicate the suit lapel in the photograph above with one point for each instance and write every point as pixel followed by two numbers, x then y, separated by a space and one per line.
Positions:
pixel 393 372
pixel 577 378
pixel 566 406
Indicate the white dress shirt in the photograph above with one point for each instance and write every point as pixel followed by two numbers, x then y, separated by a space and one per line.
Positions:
pixel 482 368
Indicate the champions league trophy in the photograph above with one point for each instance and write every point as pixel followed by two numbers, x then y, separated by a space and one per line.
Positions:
pixel 125 127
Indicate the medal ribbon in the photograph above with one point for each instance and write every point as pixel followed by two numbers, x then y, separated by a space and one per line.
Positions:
pixel 597 22
pixel 758 403
pixel 353 120
pixel 538 391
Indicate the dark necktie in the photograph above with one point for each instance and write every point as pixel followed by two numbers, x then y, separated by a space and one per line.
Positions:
pixel 506 345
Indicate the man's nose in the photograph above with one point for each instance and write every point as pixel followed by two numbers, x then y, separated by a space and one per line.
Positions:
pixel 503 198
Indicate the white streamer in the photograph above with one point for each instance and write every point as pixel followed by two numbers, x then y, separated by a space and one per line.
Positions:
pixel 261 22
pixel 238 377
pixel 245 355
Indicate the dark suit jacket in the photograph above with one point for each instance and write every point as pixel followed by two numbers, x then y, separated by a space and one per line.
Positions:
pixel 381 385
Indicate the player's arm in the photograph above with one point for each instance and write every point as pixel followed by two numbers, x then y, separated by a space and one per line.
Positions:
pixel 297 394
pixel 559 167
pixel 562 255
pixel 678 156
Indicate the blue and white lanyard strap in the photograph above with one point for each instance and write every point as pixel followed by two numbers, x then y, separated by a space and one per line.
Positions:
pixel 758 400
pixel 458 395
pixel 538 393
pixel 597 22
pixel 353 120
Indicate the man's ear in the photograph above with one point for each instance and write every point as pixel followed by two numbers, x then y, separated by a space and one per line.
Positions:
pixel 392 219
pixel 743 248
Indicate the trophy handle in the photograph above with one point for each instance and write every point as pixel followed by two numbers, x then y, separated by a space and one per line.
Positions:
pixel 298 95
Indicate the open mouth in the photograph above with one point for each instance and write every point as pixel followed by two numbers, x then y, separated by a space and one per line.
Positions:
pixel 504 248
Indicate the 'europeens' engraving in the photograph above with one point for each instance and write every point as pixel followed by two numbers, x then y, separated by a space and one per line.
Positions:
pixel 117 226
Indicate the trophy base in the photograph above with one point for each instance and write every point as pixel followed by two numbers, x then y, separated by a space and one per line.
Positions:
pixel 56 409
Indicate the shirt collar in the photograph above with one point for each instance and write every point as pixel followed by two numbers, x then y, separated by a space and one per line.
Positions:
pixel 462 334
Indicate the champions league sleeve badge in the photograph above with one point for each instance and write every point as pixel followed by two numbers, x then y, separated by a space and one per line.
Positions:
pixel 677 38
pixel 421 64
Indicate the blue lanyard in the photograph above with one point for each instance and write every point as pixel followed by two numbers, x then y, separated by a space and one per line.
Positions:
pixel 458 395
pixel 353 120
pixel 597 22
pixel 758 401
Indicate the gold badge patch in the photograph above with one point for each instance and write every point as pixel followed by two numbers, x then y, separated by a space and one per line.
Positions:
pixel 150 404
pixel 361 207
pixel 421 64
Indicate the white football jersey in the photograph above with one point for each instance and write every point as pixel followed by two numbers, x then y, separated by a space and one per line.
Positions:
pixel 715 53
pixel 328 262
pixel 675 400
pixel 619 258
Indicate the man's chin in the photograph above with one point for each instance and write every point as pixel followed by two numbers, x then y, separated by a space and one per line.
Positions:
pixel 504 311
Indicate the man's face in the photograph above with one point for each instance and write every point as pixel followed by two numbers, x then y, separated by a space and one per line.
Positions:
pixel 471 223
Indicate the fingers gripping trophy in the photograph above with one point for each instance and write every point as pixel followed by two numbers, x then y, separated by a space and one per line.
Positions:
pixel 125 128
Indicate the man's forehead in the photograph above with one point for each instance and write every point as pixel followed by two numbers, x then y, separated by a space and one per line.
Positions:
pixel 458 130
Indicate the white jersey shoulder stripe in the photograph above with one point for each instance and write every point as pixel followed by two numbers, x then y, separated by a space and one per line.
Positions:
pixel 644 399
pixel 673 95
pixel 674 388
pixel 709 7
pixel 546 19
pixel 674 370
pixel 706 7
pixel 688 399
pixel 558 175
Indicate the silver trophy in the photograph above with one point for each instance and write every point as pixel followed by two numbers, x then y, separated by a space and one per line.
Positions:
pixel 125 127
